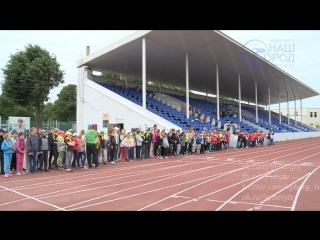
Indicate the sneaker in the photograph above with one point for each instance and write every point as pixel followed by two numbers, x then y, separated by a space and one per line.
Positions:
pixel 84 167
pixel 68 170
pixel 166 157
pixel 11 172
pixel 18 173
pixel 10 175
pixel 97 167
pixel 113 162
pixel 6 175
pixel 46 170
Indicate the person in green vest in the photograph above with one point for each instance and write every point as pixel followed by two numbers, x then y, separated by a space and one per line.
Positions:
pixel 91 136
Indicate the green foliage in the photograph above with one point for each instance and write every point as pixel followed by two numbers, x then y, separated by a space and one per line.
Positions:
pixel 65 108
pixel 173 88
pixel 111 76
pixel 10 108
pixel 29 77
pixel 48 112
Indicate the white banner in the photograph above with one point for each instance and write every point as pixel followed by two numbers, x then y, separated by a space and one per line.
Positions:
pixel 14 122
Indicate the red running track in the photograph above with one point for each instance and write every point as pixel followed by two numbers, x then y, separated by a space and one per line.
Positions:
pixel 282 177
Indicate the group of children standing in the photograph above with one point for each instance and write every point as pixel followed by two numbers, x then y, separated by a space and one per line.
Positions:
pixel 13 146
pixel 59 150
pixel 253 139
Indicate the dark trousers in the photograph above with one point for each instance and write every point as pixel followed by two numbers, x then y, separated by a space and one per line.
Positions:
pixel 43 161
pixel 244 142
pixel 219 146
pixel 147 150
pixel 92 151
pixel 131 153
pixel 189 148
pixel 54 154
pixel 2 163
pixel 183 150
pixel 162 151
pixel 109 154
pixel 112 151
pixel 155 149
pixel 75 157
pixel 143 151
pixel 13 164
pixel 138 152
pixel 202 148
pixel 165 152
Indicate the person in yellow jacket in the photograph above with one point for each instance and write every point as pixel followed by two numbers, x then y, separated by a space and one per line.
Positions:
pixel 132 144
pixel 61 146
pixel 125 144
pixel 102 147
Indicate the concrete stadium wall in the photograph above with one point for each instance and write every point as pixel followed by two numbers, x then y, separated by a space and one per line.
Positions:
pixel 281 137
pixel 99 101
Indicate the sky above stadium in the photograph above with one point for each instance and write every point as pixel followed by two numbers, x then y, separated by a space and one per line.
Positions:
pixel 295 52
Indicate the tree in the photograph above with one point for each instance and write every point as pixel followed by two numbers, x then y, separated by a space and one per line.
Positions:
pixel 65 108
pixel 29 76
pixel 9 108
pixel 48 112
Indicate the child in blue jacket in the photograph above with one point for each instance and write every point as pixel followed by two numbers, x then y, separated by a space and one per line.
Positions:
pixel 7 148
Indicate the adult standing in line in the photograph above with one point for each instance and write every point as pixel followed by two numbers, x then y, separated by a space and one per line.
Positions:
pixel 117 148
pixel 19 128
pixel 91 136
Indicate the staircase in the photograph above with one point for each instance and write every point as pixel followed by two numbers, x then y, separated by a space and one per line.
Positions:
pixel 254 125
pixel 243 112
pixel 291 126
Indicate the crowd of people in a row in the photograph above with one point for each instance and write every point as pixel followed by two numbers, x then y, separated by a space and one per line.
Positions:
pixel 58 150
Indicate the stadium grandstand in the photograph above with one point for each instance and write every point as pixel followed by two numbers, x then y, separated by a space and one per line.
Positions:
pixel 205 61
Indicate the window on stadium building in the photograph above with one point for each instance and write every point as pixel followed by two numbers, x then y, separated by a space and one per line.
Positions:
pixel 105 123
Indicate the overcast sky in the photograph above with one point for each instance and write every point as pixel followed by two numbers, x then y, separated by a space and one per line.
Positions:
pixel 68 46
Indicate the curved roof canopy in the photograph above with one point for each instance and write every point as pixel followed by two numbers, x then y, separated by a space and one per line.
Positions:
pixel 166 63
